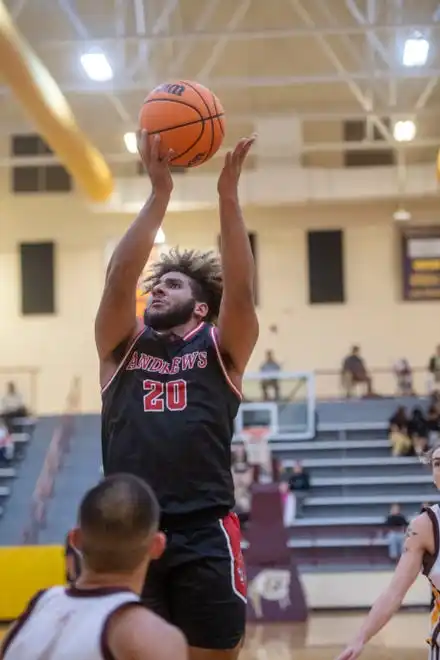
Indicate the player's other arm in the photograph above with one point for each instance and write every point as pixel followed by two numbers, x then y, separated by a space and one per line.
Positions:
pixel 116 318
pixel 237 323
pixel 416 544
pixel 137 634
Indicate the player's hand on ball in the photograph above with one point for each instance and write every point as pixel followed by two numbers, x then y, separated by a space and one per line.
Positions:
pixel 156 162
pixel 352 652
pixel 230 174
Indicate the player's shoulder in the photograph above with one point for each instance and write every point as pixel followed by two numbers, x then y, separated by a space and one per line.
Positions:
pixel 423 528
pixel 135 632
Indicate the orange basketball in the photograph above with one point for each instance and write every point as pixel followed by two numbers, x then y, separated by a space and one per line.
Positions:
pixel 189 118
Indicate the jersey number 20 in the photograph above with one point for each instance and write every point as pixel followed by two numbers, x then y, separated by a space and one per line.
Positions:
pixel 161 396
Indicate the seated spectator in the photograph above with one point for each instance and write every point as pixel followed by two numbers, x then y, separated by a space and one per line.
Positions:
pixel 418 431
pixel 404 378
pixel 398 433
pixel 298 487
pixel 354 372
pixel 396 524
pixel 11 404
pixel 6 445
pixel 270 385
pixel 434 371
pixel 433 423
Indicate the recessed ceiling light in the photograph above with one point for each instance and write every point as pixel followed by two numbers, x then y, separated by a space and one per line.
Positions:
pixel 97 67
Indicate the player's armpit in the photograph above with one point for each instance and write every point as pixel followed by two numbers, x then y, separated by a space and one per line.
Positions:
pixel 135 633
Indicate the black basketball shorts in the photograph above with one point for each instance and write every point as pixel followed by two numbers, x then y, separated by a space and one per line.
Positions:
pixel 199 583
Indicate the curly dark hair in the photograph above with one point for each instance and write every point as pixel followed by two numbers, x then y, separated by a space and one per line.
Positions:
pixel 203 269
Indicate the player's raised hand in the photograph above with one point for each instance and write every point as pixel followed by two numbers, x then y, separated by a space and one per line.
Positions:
pixel 156 161
pixel 230 174
pixel 352 652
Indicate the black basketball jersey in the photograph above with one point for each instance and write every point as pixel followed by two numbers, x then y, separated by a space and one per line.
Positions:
pixel 167 417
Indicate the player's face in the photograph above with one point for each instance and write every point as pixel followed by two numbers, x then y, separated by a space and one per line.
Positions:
pixel 172 302
pixel 436 467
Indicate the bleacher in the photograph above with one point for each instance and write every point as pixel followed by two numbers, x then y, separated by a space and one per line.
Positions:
pixel 354 478
pixel 22 431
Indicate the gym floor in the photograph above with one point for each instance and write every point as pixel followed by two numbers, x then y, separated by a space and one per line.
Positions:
pixel 324 636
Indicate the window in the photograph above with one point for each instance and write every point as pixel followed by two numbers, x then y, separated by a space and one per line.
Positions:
pixel 37 266
pixel 36 178
pixel 357 131
pixel 326 266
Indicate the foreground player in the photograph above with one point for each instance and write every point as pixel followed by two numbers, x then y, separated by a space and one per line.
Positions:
pixel 100 617
pixel 421 552
pixel 171 390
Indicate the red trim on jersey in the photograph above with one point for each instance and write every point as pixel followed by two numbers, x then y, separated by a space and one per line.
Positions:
pixel 106 651
pixel 193 332
pixel 124 360
pixel 230 526
pixel 222 364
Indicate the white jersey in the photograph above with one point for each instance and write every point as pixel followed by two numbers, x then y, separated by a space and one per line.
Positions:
pixel 67 624
pixel 431 568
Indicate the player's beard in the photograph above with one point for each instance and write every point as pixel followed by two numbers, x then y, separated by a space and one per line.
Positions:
pixel 169 319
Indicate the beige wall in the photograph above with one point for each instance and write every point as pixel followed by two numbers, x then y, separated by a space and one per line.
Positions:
pixel 308 337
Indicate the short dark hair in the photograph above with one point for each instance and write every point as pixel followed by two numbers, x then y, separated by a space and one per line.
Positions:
pixel 117 519
pixel 203 269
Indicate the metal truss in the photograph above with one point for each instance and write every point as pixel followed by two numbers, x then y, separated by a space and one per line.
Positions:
pixel 123 86
pixel 242 35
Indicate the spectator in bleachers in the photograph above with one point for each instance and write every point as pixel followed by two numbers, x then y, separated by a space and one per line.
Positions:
pixel 354 372
pixel 404 378
pixel 434 370
pixel 433 422
pixel 396 524
pixel 398 433
pixel 242 475
pixel 6 445
pixel 418 431
pixel 12 404
pixel 270 385
pixel 298 489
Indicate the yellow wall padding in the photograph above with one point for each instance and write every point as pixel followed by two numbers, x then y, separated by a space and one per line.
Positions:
pixel 45 104
pixel 25 570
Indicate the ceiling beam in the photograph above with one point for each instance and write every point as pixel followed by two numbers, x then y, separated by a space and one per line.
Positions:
pixel 202 21
pixel 82 32
pixel 353 86
pixel 331 115
pixel 122 85
pixel 220 45
pixel 238 35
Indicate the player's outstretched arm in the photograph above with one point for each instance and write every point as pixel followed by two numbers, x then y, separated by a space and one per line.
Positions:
pixel 416 544
pixel 237 323
pixel 116 318
pixel 137 634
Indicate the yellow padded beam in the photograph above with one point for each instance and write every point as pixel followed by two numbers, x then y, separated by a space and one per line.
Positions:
pixel 44 103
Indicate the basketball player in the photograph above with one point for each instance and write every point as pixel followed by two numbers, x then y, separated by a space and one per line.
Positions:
pixel 421 552
pixel 100 618
pixel 171 390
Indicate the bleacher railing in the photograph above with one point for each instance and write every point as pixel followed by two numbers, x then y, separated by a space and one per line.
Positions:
pixel 384 381
pixel 58 448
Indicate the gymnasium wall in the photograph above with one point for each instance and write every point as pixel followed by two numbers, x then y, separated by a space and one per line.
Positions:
pixel 308 336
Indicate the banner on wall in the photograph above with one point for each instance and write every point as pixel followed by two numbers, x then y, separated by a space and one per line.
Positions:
pixel 159 248
pixel 421 263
